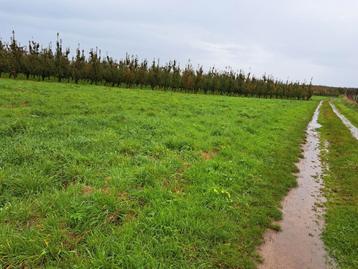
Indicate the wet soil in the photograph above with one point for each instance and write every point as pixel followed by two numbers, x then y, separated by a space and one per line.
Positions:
pixel 298 245
pixel 346 122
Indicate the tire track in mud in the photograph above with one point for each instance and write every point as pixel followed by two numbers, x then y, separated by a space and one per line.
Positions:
pixel 298 245
pixel 346 122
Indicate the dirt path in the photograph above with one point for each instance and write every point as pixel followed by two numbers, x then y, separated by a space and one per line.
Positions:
pixel 298 245
pixel 346 122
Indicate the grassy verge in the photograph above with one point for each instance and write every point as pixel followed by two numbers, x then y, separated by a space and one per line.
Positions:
pixel 92 176
pixel 348 109
pixel 341 181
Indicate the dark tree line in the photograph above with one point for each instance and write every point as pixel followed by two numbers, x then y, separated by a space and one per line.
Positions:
pixel 327 91
pixel 352 94
pixel 37 62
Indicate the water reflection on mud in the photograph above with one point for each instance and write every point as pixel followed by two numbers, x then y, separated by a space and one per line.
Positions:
pixel 298 245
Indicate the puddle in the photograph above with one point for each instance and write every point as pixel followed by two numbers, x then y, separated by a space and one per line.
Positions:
pixel 298 245
pixel 346 122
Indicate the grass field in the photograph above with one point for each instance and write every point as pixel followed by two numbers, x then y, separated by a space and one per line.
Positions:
pixel 348 108
pixel 103 177
pixel 341 233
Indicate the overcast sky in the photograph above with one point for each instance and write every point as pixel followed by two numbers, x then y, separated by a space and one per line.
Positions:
pixel 290 39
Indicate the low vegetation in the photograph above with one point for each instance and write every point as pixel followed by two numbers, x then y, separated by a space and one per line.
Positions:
pixel 92 176
pixel 341 180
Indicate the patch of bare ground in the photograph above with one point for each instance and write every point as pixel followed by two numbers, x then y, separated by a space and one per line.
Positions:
pixel 208 155
pixel 16 105
pixel 176 182
pixel 86 190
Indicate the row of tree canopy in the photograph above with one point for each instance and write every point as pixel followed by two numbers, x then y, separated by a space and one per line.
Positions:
pixel 351 93
pixel 43 63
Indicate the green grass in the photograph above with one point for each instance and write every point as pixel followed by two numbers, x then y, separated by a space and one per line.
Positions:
pixel 341 182
pixel 348 109
pixel 97 177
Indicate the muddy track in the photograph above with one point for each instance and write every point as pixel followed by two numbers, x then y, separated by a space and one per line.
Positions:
pixel 346 122
pixel 298 245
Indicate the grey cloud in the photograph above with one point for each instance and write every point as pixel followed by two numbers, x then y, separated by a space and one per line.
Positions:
pixel 285 38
